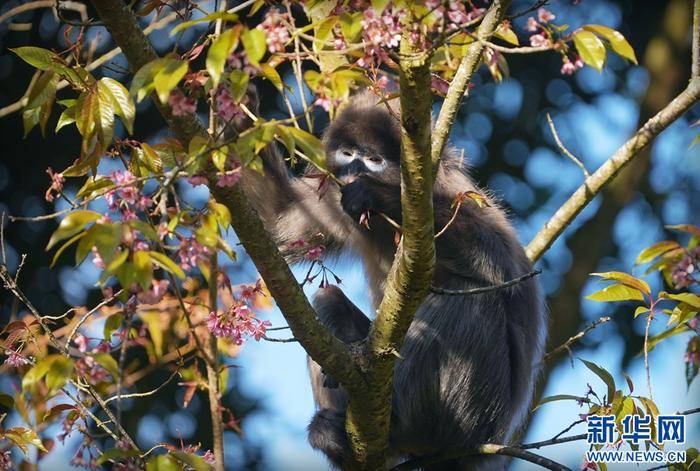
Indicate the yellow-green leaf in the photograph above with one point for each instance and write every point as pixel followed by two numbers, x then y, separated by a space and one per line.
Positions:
pixel 71 225
pixel 602 374
pixel 219 51
pixel 626 279
pixel 272 75
pixel 166 264
pixel 351 26
pixel 590 48
pixel 219 15
pixel 616 292
pixel 41 58
pixel 659 248
pixel 310 145
pixel 168 76
pixel 617 41
pixel 505 33
pixel 163 463
pixel 255 44
pixel 121 101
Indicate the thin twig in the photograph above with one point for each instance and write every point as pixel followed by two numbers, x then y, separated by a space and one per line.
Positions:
pixel 574 338
pixel 484 289
pixel 25 8
pixel 486 449
pixel 270 339
pixel 118 396
pixel 563 148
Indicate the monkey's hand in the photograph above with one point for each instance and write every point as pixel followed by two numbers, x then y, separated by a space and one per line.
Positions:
pixel 359 197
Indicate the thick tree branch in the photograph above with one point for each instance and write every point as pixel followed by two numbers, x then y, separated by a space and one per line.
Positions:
pixel 601 177
pixel 462 77
pixel 323 347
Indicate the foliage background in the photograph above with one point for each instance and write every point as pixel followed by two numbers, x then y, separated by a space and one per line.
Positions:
pixel 506 139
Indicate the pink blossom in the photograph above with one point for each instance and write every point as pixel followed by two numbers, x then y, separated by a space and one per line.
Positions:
pixel 196 180
pixel 180 104
pixel 229 178
pixel 239 61
pixel 97 259
pixel 190 253
pixel 382 82
pixel 276 33
pixel 226 108
pixel 692 358
pixel 81 342
pixel 544 15
pixel 532 25
pixel 163 230
pixel 6 460
pixel 155 294
pixel 314 253
pixel 249 291
pixel 236 323
pixel 588 465
pixel 209 457
pixel 15 359
pixel 693 323
pixel 682 273
pixel 339 44
pixel 324 102
pixel 539 40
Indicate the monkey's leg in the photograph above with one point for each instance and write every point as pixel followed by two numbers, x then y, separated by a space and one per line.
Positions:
pixel 327 428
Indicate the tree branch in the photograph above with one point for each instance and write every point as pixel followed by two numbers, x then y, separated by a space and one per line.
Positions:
pixel 462 77
pixel 695 67
pixel 484 289
pixel 487 449
pixel 323 347
pixel 606 172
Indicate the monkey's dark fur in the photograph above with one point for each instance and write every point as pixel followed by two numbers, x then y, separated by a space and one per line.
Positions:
pixel 469 362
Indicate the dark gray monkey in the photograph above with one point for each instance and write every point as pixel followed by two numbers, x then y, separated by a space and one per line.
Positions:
pixel 469 363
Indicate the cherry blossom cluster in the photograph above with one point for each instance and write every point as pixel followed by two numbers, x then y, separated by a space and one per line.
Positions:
pixel 692 352
pixel 684 272
pixel 236 323
pixel 126 197
pixel 181 105
pixel 191 252
pixel 226 107
pixel 86 366
pixel 275 29
pixel 15 359
pixel 6 460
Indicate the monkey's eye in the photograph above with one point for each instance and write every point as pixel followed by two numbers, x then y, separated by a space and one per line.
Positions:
pixel 375 159
pixel 347 152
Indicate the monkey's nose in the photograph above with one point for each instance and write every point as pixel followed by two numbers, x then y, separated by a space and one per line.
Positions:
pixel 348 179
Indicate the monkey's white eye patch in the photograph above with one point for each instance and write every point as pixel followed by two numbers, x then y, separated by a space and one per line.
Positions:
pixel 375 164
pixel 345 156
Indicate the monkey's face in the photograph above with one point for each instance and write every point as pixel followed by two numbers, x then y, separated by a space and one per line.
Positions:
pixel 350 162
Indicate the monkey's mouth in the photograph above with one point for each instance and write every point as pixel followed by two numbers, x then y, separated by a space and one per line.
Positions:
pixel 348 179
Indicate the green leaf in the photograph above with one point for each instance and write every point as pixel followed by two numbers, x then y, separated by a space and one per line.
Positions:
pixel 37 372
pixel 219 51
pixel 105 114
pixel 618 43
pixel 112 323
pixel 310 145
pixel 152 319
pixel 166 264
pixel 59 372
pixel 118 261
pixel 115 454
pixel 142 83
pixel 626 279
pixel 22 437
pixel 93 185
pixel 67 117
pixel 70 242
pixel 653 341
pixel 71 225
pixel 143 268
pixel 505 33
pixel 43 89
pixel 656 250
pixel 237 84
pixel 41 58
pixel 163 463
pixel 121 101
pixel 561 397
pixel 108 362
pixel 255 44
pixel 221 213
pixel 351 26
pixel 590 48
pixel 640 310
pixel 602 374
pixel 616 292
pixel 695 230
pixel 379 5
pixel 687 298
pixel 219 15
pixel 167 78
pixel 193 461
pixel 272 75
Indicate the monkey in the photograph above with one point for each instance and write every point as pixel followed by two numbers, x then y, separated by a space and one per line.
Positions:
pixel 467 368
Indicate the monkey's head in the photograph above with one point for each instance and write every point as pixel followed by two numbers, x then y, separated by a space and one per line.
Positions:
pixel 364 140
